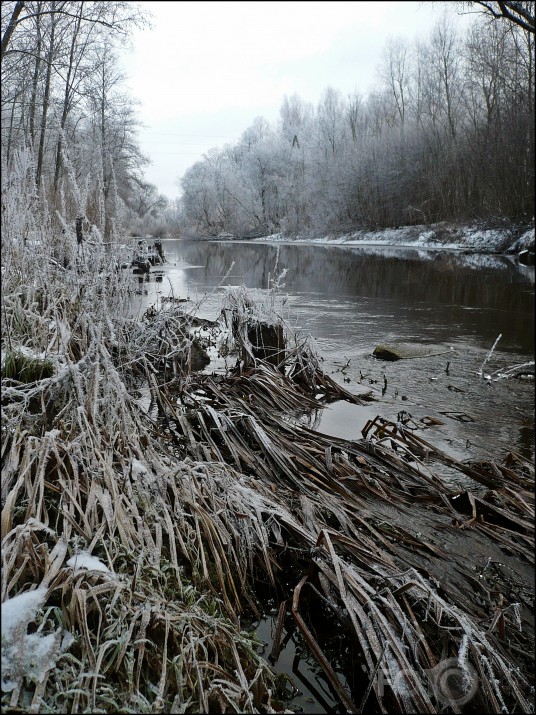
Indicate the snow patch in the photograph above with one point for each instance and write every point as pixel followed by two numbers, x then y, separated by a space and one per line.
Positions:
pixel 138 469
pixel 441 236
pixel 27 655
pixel 20 610
pixel 83 560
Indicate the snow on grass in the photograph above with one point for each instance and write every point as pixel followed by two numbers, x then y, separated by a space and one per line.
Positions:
pixel 25 352
pixel 27 655
pixel 83 560
pixel 20 610
pixel 138 469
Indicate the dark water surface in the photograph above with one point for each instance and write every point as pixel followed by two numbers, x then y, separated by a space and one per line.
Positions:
pixel 351 299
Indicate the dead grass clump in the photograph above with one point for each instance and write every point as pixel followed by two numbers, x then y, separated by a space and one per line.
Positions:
pixel 386 545
pixel 119 623
pixel 23 368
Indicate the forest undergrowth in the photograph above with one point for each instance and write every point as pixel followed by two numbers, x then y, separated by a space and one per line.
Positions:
pixel 137 543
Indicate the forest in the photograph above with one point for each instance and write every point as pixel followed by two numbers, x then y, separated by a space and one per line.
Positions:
pixel 68 118
pixel 447 135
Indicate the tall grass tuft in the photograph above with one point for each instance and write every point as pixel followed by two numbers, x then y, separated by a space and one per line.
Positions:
pixel 83 472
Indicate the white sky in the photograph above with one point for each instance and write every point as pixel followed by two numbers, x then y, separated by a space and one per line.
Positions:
pixel 206 69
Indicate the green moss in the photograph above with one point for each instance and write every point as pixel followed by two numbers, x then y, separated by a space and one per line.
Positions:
pixel 26 369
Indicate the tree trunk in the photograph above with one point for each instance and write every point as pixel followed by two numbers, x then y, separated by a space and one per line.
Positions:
pixel 66 99
pixel 11 26
pixel 35 78
pixel 46 99
pixel 79 234
pixel 10 136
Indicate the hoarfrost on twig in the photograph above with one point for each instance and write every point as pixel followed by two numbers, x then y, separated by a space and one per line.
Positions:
pixel 481 371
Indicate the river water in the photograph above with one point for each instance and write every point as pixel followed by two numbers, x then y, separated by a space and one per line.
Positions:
pixel 350 299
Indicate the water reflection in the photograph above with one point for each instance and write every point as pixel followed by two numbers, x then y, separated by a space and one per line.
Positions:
pixel 451 284
pixel 311 692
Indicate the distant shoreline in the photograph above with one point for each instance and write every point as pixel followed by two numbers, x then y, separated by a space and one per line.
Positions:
pixel 470 238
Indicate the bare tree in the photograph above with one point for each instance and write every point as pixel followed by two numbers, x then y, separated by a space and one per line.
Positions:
pixel 395 72
pixel 11 25
pixel 46 96
pixel 120 17
pixel 519 13
pixel 58 86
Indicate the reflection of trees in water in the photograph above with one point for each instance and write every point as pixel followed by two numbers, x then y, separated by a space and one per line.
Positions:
pixel 498 296
pixel 335 647
pixel 340 270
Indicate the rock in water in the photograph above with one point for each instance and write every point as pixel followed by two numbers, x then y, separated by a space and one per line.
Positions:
pixel 406 351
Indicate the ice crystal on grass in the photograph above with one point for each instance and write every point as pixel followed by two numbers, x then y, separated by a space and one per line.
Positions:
pixel 488 356
pixel 463 654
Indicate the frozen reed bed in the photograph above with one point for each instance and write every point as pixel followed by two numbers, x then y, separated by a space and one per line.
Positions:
pixel 135 542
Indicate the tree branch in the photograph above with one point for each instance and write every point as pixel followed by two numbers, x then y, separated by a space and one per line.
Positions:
pixel 109 25
pixel 16 20
pixel 510 10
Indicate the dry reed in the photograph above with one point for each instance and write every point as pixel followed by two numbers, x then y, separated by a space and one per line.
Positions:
pixel 194 511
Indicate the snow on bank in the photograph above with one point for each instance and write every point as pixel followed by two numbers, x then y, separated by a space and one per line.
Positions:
pixel 524 242
pixel 437 236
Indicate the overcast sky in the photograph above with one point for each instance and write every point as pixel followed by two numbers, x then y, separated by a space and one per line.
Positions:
pixel 206 70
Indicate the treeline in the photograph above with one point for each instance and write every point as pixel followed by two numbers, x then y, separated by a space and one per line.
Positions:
pixel 68 125
pixel 447 135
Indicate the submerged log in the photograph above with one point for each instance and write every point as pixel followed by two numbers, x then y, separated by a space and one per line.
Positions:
pixel 406 351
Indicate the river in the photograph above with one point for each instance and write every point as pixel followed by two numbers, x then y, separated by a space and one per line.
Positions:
pixel 351 299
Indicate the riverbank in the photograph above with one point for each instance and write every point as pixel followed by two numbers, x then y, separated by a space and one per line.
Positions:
pixel 142 546
pixel 442 236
